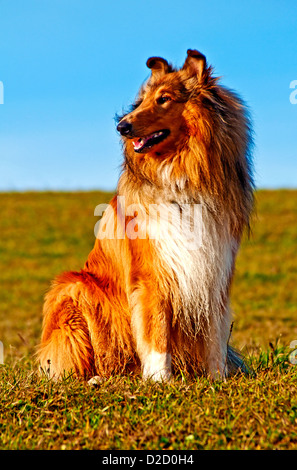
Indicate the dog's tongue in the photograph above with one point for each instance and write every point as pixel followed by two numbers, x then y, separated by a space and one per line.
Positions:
pixel 143 141
pixel 139 143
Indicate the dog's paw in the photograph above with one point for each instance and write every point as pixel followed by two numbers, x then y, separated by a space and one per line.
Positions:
pixel 157 367
pixel 159 376
pixel 95 381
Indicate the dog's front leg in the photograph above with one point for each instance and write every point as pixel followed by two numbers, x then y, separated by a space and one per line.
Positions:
pixel 151 330
pixel 156 366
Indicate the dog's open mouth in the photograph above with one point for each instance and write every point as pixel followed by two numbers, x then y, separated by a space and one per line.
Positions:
pixel 145 143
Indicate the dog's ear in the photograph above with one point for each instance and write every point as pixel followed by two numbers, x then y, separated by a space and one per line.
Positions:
pixel 158 66
pixel 195 63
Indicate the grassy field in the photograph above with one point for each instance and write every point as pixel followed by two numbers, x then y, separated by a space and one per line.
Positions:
pixel 43 234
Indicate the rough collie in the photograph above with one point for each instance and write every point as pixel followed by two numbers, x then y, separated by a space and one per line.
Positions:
pixel 153 296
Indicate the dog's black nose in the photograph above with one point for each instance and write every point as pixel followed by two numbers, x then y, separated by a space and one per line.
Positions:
pixel 125 128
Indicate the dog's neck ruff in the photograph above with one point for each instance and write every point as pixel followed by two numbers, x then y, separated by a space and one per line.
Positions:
pixel 193 246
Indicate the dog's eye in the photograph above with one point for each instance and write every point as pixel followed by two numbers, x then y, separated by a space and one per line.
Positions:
pixel 162 99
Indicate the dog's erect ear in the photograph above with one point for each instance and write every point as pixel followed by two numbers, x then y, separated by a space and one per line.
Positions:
pixel 195 63
pixel 158 66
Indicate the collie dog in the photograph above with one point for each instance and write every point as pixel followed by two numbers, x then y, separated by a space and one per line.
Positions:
pixel 153 296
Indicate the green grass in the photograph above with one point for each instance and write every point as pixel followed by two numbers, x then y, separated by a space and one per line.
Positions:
pixel 43 234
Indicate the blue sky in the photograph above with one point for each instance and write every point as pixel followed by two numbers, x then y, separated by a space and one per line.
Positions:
pixel 68 66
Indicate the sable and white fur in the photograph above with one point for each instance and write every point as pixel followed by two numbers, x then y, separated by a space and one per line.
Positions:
pixel 147 299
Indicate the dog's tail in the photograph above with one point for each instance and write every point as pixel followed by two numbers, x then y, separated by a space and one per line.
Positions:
pixel 235 362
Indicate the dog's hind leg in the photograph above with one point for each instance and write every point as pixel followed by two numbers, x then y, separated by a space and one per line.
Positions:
pixel 65 344
pixel 220 360
pixel 86 328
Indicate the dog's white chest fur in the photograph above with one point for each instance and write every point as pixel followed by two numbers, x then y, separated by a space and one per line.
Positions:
pixel 199 253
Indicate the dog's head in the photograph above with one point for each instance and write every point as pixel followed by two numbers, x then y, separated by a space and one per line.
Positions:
pixel 159 114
